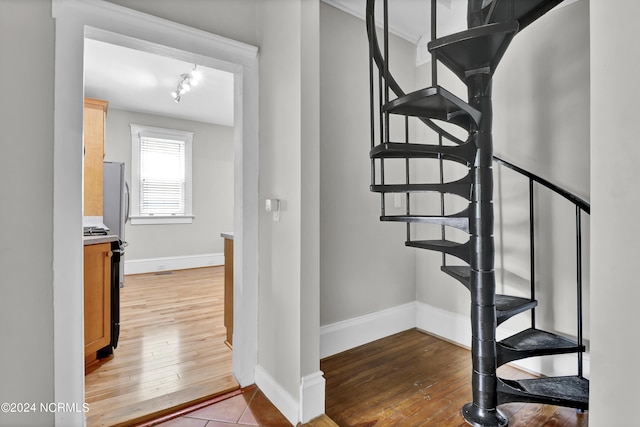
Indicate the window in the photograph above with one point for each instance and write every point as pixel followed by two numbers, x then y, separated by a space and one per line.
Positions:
pixel 160 175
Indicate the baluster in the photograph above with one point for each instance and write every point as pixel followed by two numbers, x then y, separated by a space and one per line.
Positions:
pixel 434 64
pixel 386 66
pixel 579 282
pixel 382 132
pixel 434 82
pixel 372 113
pixel 407 177
pixel 532 250
pixel 386 91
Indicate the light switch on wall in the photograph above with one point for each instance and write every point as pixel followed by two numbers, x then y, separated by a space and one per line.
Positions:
pixel 397 200
pixel 273 205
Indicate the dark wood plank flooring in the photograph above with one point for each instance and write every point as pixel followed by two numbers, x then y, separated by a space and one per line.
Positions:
pixel 414 379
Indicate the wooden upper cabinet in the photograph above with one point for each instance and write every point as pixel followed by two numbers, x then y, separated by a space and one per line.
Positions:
pixel 95 114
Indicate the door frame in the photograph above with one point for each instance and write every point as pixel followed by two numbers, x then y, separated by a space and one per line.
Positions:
pixel 74 21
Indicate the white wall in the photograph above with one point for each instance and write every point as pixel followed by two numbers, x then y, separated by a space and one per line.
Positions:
pixel 212 187
pixel 616 201
pixel 365 266
pixel 26 208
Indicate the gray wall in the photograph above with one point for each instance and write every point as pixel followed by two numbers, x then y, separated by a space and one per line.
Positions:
pixel 365 266
pixel 235 19
pixel 26 207
pixel 541 123
pixel 615 67
pixel 212 187
pixel 289 171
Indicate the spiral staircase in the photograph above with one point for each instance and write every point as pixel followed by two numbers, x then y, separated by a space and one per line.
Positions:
pixel 473 56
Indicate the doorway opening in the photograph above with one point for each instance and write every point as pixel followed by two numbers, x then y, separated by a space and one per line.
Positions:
pixel 115 24
pixel 171 347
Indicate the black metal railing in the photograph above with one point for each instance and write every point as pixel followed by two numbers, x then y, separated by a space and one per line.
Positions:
pixel 580 207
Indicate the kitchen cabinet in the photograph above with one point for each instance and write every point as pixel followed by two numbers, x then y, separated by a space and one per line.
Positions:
pixel 95 113
pixel 97 299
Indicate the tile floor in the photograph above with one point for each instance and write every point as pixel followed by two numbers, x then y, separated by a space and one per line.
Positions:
pixel 249 409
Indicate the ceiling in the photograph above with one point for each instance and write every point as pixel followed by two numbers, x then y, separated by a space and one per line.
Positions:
pixel 135 80
pixel 410 19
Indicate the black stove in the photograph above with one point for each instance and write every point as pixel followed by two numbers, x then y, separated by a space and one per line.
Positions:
pixel 94 231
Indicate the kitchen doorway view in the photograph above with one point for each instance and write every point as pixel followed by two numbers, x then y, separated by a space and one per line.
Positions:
pixel 168 338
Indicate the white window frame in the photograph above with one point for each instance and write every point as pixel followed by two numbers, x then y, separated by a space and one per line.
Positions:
pixel 138 131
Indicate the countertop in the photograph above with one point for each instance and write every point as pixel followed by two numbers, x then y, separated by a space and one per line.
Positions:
pixel 227 235
pixel 94 240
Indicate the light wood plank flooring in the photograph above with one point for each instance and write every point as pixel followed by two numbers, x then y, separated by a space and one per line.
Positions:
pixel 413 379
pixel 171 351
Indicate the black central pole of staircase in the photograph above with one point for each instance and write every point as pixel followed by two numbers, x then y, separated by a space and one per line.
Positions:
pixel 483 410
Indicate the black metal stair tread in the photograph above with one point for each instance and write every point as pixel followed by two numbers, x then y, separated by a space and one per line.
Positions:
pixel 478 49
pixel 507 306
pixel 464 153
pixel 458 220
pixel 459 250
pixel 435 103
pixel 571 391
pixel 538 340
pixel 461 187
pixel 524 11
pixel 460 272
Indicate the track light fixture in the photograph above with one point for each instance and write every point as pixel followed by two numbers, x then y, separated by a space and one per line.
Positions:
pixel 186 82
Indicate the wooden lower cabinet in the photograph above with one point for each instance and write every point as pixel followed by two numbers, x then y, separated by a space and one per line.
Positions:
pixel 97 299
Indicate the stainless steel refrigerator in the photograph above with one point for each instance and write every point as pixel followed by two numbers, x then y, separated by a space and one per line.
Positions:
pixel 116 206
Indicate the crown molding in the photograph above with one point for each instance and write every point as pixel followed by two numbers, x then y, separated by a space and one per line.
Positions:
pixel 393 29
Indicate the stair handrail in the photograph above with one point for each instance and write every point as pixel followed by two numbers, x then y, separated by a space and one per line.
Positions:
pixel 580 206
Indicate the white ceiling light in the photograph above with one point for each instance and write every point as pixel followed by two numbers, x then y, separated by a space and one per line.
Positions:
pixel 186 82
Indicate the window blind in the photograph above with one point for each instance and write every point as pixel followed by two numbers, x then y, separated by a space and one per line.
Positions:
pixel 162 176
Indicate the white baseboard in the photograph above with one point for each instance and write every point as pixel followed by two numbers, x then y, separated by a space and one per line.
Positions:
pixel 312 392
pixel 282 400
pixel 312 395
pixel 340 336
pixel 454 327
pixel 151 265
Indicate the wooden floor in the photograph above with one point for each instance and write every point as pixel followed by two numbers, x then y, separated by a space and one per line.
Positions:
pixel 414 379
pixel 171 351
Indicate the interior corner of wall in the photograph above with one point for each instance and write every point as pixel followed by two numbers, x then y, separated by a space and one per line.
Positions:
pixel 422 53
